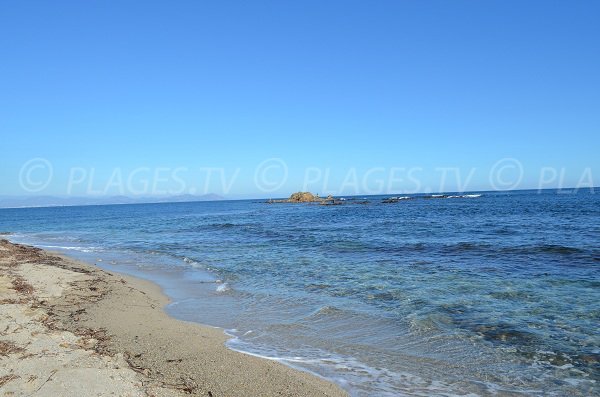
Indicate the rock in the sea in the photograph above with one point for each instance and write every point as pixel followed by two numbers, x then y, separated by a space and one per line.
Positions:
pixel 303 197
pixel 395 199
pixel 307 197
pixel 300 197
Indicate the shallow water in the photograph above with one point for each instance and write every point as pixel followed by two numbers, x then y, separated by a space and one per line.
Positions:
pixel 495 294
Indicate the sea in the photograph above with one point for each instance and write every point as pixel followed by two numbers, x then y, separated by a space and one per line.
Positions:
pixel 477 294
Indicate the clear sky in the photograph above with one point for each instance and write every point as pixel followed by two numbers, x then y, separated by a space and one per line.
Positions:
pixel 334 86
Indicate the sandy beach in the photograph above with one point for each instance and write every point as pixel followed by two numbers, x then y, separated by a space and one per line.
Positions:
pixel 71 329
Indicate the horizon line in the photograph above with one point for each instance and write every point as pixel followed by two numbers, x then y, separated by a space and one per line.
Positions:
pixel 592 188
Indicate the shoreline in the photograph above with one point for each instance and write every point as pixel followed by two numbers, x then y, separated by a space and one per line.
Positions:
pixel 83 313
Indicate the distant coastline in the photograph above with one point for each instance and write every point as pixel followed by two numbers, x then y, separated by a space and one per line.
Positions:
pixel 57 201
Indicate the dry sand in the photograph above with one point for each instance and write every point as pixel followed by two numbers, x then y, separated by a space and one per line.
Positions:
pixel 71 329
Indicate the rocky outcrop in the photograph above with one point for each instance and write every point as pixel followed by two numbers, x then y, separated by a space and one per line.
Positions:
pixel 302 197
pixel 395 199
pixel 307 197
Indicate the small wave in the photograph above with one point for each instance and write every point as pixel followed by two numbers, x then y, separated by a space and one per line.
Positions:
pixel 81 249
pixel 550 249
pixel 559 249
pixel 465 196
pixel 353 374
pixel 468 246
pixel 544 249
pixel 452 196
pixel 223 225
pixel 194 264
pixel 325 311
pixel 396 199
pixel 228 225
pixel 217 225
pixel 223 288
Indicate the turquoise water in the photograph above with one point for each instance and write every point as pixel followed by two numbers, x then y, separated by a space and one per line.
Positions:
pixel 491 294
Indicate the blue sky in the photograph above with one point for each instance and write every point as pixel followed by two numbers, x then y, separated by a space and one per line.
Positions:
pixel 335 86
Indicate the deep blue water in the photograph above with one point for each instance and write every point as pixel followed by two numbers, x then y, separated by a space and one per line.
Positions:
pixel 490 295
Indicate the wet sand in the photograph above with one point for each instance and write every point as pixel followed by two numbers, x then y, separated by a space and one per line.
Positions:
pixel 71 329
